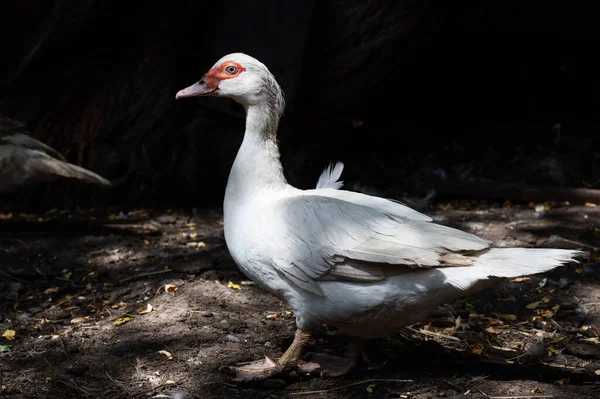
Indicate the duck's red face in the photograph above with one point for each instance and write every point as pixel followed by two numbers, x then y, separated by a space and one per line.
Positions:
pixel 209 84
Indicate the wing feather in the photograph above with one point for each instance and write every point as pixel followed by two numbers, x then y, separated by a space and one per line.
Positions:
pixel 332 239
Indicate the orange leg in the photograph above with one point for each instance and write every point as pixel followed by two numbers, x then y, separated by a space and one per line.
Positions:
pixel 263 369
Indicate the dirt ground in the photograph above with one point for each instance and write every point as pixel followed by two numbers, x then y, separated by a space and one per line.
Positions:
pixel 148 304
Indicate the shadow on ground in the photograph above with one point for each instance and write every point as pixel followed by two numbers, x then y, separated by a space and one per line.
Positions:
pixel 149 302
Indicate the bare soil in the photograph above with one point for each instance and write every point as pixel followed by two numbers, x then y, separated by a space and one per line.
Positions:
pixel 148 303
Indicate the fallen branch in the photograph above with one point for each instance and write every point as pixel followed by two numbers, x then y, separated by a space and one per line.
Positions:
pixel 144 275
pixel 12 277
pixel 434 334
pixel 516 192
pixel 347 386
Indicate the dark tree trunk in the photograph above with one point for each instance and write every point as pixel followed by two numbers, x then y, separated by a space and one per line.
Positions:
pixel 96 80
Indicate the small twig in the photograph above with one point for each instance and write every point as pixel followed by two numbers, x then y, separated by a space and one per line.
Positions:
pixel 475 379
pixel 13 277
pixel 144 275
pixel 561 366
pixel 581 244
pixel 454 385
pixel 434 334
pixel 348 386
pixel 64 346
pixel 516 397
pixel 483 393
pixel 112 379
pixel 521 397
pixel 69 383
pixel 64 301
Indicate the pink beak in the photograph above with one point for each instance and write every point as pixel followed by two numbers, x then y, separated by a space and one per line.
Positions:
pixel 197 89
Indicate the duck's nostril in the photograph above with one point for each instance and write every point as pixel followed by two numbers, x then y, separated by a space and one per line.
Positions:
pixel 203 80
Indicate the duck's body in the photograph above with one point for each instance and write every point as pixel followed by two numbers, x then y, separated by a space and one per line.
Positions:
pixel 25 161
pixel 365 264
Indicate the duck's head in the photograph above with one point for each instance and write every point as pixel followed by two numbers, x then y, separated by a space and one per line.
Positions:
pixel 240 77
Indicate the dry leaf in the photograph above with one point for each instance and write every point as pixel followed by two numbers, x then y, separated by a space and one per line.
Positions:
pixel 536 390
pixel 491 330
pixel 272 316
pixel 550 312
pixel 145 310
pixel 589 205
pixel 533 305
pixel 478 349
pixel 118 305
pixel 167 354
pixel 547 313
pixel 578 269
pixel 9 335
pixel 594 340
pixel 510 317
pixel 170 288
pixel 545 299
pixel 520 279
pixel 52 290
pixel 552 351
pixel 597 372
pixel 370 388
pixel 194 244
pixel 122 320
pixel 562 381
pixel 80 319
pixel 233 285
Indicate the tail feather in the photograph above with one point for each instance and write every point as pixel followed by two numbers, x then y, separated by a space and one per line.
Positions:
pixel 330 176
pixel 508 263
pixel 56 167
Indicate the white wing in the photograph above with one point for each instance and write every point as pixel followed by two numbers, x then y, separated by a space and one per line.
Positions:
pixel 393 207
pixel 328 238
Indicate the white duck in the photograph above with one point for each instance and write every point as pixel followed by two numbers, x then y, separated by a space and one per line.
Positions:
pixel 364 264
pixel 25 160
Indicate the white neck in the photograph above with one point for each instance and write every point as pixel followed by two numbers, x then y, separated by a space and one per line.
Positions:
pixel 257 167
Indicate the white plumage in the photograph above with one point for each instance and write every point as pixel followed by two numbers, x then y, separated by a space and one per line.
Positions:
pixel 365 264
pixel 330 178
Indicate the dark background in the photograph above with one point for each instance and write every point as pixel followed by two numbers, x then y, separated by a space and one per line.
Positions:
pixel 477 91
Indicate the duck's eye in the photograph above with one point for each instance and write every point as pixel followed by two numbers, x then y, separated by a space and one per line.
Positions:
pixel 231 69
